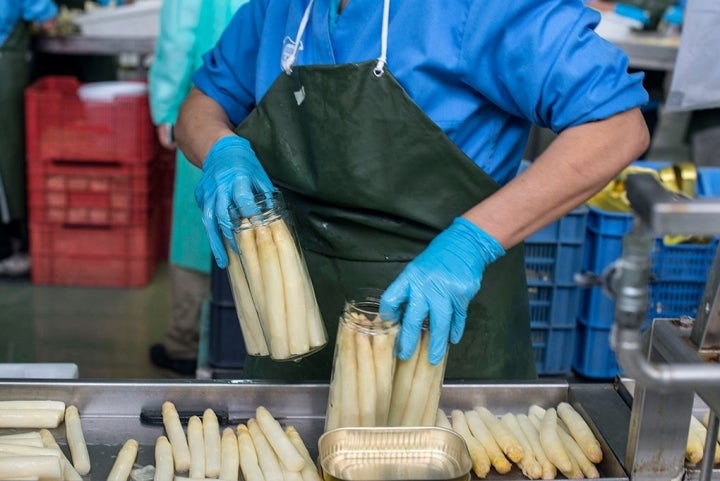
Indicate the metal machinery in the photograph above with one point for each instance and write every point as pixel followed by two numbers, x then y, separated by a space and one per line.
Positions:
pixel 677 358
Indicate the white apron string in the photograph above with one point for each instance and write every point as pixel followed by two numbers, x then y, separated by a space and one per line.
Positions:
pixel 291 47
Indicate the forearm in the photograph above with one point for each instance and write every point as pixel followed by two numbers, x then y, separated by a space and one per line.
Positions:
pixel 201 123
pixel 580 162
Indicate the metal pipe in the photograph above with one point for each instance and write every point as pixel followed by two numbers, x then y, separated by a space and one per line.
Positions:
pixel 629 351
pixel 706 466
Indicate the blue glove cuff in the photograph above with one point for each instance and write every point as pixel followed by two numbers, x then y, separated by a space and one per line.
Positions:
pixel 487 246
pixel 224 143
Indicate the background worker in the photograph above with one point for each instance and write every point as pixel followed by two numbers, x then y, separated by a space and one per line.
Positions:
pixel 396 139
pixel 188 28
pixel 15 17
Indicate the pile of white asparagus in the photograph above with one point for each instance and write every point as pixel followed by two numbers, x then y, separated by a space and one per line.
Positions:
pixel 273 294
pixel 370 387
pixel 35 455
pixel 261 450
pixel 697 434
pixel 541 442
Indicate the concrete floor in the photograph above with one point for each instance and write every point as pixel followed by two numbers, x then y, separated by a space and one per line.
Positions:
pixel 106 332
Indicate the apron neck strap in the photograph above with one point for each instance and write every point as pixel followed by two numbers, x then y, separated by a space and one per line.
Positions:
pixel 291 47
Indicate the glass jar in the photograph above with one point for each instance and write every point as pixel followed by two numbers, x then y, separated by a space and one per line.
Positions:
pixel 277 279
pixel 363 364
pixel 417 386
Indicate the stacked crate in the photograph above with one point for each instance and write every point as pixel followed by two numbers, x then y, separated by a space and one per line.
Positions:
pixel 679 273
pixel 93 182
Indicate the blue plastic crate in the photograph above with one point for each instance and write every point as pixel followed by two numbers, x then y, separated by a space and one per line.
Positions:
pixel 679 271
pixel 708 182
pixel 593 357
pixel 553 348
pixel 553 305
pixel 226 347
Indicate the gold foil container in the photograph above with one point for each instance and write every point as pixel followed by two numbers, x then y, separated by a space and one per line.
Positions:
pixel 393 454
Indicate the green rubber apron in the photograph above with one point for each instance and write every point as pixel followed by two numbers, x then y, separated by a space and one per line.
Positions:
pixel 371 180
pixel 14 76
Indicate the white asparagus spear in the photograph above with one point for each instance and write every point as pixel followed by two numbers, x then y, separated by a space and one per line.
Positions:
pixel 482 433
pixel 247 313
pixel 507 442
pixel 701 429
pixel 367 385
pixel 402 384
pixel 434 392
pixel 23 450
pixel 551 443
pixel 211 441
pixel 30 438
pixel 248 455
pixel 268 462
pixel 124 462
pixel 176 436
pixel 196 443
pixel 296 312
pixel 478 455
pixel 441 419
pixel 574 472
pixel 69 472
pixel 580 431
pixel 33 405
pixel 30 418
pixel 47 468
pixel 383 345
pixel 575 451
pixel 230 456
pixel 164 468
pixel 251 264
pixel 274 290
pixel 309 471
pixel 315 322
pixel 529 465
pixel 278 440
pixel 76 441
pixel 349 408
pixel 549 470
pixel 421 387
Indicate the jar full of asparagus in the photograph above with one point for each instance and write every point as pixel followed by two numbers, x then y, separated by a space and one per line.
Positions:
pixel 272 290
pixel 363 364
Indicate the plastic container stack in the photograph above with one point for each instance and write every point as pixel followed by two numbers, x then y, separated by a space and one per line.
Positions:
pixel 679 276
pixel 95 183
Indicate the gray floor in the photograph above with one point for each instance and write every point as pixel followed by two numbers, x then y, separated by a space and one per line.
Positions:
pixel 106 332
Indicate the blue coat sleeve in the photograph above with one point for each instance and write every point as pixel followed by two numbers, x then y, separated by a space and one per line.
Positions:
pixel 544 62
pixel 38 10
pixel 173 66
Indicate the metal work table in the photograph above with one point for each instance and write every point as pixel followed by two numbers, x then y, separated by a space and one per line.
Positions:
pixel 84 45
pixel 649 50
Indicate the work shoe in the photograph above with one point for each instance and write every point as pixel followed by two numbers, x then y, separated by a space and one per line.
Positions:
pixel 16 265
pixel 160 358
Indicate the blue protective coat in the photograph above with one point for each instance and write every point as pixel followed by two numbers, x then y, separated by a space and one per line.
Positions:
pixel 13 11
pixel 188 28
pixel 482 70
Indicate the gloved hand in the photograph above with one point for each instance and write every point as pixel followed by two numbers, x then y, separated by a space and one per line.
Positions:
pixel 440 282
pixel 231 174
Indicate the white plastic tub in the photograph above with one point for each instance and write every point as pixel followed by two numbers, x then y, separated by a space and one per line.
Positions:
pixel 138 19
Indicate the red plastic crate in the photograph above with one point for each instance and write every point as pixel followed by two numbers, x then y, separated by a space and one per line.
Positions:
pixel 77 192
pixel 93 256
pixel 59 125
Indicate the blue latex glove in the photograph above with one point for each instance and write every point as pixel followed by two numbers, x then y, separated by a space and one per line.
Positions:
pixel 232 174
pixel 440 282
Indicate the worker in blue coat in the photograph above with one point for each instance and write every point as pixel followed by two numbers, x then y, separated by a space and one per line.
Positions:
pixel 395 130
pixel 188 28
pixel 15 19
